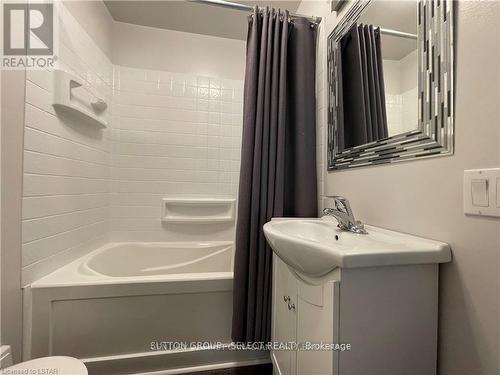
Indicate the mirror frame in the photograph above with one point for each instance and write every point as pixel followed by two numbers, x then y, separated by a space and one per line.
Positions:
pixel 434 135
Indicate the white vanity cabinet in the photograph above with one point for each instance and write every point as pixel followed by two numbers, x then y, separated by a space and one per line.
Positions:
pixel 388 314
pixel 302 313
pixel 284 320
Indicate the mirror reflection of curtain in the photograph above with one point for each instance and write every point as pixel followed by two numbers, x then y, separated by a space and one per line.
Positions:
pixel 362 118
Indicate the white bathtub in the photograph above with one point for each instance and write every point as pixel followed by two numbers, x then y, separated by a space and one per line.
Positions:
pixel 111 306
pixel 158 259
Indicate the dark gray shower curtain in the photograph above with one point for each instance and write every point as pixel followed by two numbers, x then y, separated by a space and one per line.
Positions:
pixel 363 117
pixel 278 156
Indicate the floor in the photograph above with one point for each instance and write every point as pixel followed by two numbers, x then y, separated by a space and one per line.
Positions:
pixel 266 369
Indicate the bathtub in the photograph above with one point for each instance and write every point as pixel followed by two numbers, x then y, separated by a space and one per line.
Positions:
pixel 159 308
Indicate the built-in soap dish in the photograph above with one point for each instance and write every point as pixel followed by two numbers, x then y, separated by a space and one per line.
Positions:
pixel 77 98
pixel 198 210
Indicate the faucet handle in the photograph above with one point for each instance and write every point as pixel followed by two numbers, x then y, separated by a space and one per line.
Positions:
pixel 328 210
pixel 344 215
pixel 359 228
pixel 342 204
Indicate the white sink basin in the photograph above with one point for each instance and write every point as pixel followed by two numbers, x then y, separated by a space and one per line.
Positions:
pixel 315 247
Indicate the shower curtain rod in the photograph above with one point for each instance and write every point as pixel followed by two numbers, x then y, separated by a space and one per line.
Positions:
pixel 401 34
pixel 246 8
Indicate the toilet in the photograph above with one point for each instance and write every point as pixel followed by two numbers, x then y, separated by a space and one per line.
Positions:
pixel 59 365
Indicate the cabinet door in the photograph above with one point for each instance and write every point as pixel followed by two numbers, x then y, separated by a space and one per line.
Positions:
pixel 284 319
pixel 316 313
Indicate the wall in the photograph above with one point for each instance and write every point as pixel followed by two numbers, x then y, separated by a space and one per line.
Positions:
pixel 93 16
pixel 425 197
pixel 172 133
pixel 66 172
pixel 174 51
pixel 1 36
pixel 12 117
pixel 393 99
pixel 409 91
pixel 178 129
pixel 66 161
pixel 11 129
pixel 401 93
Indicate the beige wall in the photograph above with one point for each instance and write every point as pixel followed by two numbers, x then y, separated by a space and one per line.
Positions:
pixel 174 51
pixel 12 117
pixel 1 36
pixel 151 48
pixel 11 145
pixel 425 197
pixel 94 17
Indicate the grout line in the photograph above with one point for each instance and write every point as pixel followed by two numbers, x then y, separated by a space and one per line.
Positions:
pixel 66 231
pixel 65 194
pixel 203 169
pixel 65 176
pixel 65 213
pixel 194 134
pixel 65 158
pixel 187 146
pixel 37 85
pixel 66 139
pixel 85 243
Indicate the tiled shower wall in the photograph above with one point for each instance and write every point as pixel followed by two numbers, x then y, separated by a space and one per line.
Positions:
pixel 171 135
pixel 401 93
pixel 66 161
pixel 175 135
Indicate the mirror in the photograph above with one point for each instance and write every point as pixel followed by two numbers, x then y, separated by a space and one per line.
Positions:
pixel 390 79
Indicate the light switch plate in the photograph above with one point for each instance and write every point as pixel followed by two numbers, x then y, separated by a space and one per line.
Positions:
pixel 482 192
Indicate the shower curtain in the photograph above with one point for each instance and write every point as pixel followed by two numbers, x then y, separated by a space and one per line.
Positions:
pixel 363 117
pixel 278 157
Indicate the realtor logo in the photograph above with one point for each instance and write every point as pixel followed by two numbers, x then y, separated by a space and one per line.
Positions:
pixel 28 38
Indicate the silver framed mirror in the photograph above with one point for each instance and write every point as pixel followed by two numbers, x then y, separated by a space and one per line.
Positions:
pixel 390 89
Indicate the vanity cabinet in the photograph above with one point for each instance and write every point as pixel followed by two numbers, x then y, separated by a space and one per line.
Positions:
pixel 284 321
pixel 387 314
pixel 302 314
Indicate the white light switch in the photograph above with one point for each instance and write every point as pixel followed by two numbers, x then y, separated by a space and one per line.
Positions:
pixel 482 192
pixel 479 190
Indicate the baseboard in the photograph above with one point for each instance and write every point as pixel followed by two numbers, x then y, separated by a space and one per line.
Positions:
pixel 217 366
pixel 174 362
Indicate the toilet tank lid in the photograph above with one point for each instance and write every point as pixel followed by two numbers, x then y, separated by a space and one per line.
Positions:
pixel 59 365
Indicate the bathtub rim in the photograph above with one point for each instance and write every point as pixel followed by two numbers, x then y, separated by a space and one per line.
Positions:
pixel 71 273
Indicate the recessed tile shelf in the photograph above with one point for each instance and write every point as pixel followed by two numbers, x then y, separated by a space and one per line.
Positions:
pixel 198 210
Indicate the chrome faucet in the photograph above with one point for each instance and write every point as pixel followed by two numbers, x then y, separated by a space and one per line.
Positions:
pixel 344 215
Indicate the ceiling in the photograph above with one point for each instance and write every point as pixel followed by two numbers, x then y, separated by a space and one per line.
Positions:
pixel 395 15
pixel 190 17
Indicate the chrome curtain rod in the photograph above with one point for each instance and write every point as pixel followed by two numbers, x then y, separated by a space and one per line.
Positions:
pixel 401 34
pixel 246 8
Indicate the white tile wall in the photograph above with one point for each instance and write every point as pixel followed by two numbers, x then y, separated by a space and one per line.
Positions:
pixel 402 111
pixel 401 94
pixel 169 134
pixel 175 134
pixel 321 113
pixel 394 109
pixel 66 162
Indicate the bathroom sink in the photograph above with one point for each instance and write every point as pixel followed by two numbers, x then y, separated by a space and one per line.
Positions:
pixel 315 247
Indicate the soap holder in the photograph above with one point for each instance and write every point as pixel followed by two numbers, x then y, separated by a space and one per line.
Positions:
pixel 64 98
pixel 198 210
